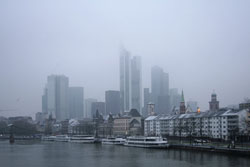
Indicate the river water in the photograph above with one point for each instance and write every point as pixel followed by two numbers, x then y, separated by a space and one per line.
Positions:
pixel 55 154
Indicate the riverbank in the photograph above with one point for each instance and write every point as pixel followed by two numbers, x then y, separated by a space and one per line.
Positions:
pixel 225 150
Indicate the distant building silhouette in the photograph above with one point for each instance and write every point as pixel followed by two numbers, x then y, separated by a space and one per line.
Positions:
pixel 130 82
pixel 88 107
pixel 57 96
pixel 76 99
pixel 214 104
pixel 160 90
pixel 112 100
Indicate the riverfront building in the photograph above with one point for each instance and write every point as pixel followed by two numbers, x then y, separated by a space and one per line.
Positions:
pixel 221 124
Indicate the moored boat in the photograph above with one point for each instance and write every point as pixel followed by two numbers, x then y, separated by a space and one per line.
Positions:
pixel 82 139
pixel 113 141
pixel 146 142
pixel 62 138
pixel 48 138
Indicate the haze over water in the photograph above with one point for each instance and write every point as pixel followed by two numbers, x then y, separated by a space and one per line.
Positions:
pixel 41 154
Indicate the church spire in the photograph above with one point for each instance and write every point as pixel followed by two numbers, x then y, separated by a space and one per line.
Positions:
pixel 182 96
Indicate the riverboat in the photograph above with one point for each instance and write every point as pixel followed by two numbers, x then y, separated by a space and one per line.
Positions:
pixel 48 138
pixel 114 141
pixel 146 142
pixel 62 138
pixel 82 139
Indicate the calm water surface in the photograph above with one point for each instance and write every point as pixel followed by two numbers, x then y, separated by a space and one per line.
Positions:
pixel 55 154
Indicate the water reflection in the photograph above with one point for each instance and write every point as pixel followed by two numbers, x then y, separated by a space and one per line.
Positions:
pixel 70 154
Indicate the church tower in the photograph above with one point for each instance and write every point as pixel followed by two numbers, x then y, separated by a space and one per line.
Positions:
pixel 182 104
pixel 214 104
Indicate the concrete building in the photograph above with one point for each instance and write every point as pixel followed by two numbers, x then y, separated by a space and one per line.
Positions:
pixel 76 99
pixel 112 100
pixel 160 90
pixel 57 96
pixel 88 107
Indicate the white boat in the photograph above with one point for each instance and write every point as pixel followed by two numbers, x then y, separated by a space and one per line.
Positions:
pixel 48 138
pixel 146 142
pixel 114 141
pixel 82 139
pixel 62 138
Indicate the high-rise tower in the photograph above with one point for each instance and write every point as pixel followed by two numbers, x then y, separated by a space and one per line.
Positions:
pixel 130 81
pixel 160 90
pixel 125 88
pixel 57 96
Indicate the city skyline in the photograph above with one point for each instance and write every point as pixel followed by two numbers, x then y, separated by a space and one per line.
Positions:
pixel 202 46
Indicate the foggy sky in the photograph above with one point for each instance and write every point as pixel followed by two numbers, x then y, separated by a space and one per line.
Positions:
pixel 203 45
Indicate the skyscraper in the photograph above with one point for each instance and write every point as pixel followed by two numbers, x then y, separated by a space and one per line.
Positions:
pixel 130 82
pixel 125 88
pixel 175 98
pixel 57 99
pixel 88 107
pixel 112 100
pixel 147 100
pixel 76 98
pixel 160 90
pixel 136 83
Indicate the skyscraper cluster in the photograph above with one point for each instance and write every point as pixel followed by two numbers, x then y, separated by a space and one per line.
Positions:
pixel 130 82
pixel 61 101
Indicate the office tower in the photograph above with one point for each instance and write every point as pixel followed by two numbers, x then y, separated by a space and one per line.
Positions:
pixel 57 86
pixel 125 89
pixel 88 107
pixel 136 83
pixel 160 90
pixel 147 100
pixel 45 101
pixel 112 100
pixel 100 106
pixel 214 104
pixel 130 82
pixel 193 105
pixel 76 98
pixel 182 104
pixel 175 98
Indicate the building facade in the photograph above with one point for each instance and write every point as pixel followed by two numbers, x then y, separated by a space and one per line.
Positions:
pixel 160 90
pixel 222 124
pixel 57 96
pixel 112 100
pixel 130 82
pixel 76 99
pixel 88 107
